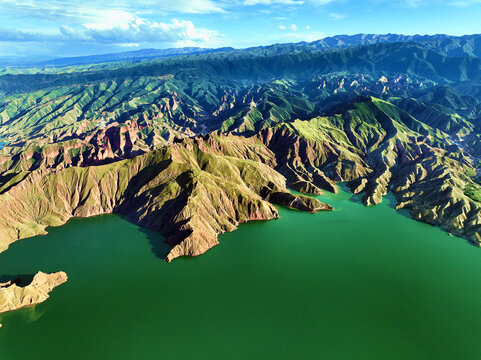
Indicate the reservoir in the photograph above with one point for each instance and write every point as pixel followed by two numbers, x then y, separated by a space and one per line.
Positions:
pixel 356 283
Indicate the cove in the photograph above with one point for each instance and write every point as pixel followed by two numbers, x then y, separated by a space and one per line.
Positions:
pixel 355 283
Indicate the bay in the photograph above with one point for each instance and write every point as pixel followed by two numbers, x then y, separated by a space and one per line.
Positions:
pixel 356 283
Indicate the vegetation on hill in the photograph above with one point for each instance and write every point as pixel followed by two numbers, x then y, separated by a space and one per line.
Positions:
pixel 193 145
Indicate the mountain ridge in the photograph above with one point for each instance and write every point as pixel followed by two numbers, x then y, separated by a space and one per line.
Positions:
pixel 458 43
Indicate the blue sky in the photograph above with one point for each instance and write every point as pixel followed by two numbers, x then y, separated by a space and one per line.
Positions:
pixel 54 28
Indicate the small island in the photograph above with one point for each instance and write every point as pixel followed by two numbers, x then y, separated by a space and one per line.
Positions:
pixel 13 296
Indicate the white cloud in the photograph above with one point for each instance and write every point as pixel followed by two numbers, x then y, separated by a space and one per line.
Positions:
pixel 273 2
pixel 417 3
pixel 292 27
pixel 321 2
pixel 287 2
pixel 131 32
pixel 129 45
pixel 109 19
pixel 337 16
pixel 308 27
pixel 88 10
pixel 75 12
pixel 424 3
pixel 22 36
pixel 140 30
pixel 465 3
pixel 184 6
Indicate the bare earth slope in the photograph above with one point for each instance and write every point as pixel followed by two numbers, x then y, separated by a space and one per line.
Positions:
pixel 190 191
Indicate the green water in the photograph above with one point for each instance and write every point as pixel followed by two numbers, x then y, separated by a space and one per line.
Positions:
pixel 356 283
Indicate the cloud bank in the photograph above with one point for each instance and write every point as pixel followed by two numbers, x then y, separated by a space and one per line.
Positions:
pixel 134 31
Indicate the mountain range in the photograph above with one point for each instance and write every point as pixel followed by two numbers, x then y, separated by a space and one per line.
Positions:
pixel 192 145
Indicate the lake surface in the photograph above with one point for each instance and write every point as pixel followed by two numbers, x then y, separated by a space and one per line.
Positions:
pixel 356 283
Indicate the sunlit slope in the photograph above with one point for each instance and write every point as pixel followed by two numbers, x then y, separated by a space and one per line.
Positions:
pixel 190 191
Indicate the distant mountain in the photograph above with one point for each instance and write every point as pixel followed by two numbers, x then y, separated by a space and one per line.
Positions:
pixel 111 57
pixel 460 46
pixel 467 45
pixel 340 41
